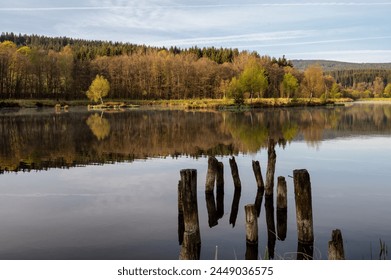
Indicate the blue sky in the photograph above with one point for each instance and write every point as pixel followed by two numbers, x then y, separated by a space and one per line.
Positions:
pixel 355 31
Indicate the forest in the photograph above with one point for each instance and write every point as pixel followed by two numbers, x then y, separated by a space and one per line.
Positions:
pixel 61 68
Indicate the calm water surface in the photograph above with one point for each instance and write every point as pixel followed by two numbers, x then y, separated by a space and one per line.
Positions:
pixel 86 185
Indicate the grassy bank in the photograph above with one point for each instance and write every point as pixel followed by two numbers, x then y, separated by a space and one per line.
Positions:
pixel 184 103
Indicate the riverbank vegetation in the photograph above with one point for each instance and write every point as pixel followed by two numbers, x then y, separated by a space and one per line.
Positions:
pixel 62 69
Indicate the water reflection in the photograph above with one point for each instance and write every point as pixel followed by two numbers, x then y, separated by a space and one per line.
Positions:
pixel 43 139
pixel 99 126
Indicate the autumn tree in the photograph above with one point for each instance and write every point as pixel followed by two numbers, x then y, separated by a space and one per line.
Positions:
pixel 378 87
pixel 313 84
pixel 387 90
pixel 289 85
pixel 98 89
pixel 253 79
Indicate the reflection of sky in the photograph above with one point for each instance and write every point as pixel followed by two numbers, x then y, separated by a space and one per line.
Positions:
pixel 129 210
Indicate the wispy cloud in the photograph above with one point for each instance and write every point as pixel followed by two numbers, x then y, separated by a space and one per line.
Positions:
pixel 316 42
pixel 253 37
pixel 192 6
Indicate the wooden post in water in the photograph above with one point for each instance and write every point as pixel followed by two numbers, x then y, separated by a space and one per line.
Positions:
pixel 303 199
pixel 260 186
pixel 235 173
pixel 237 192
pixel 336 250
pixel 271 167
pixel 211 175
pixel 190 248
pixel 251 232
pixel 282 208
pixel 209 191
pixel 192 237
pixel 181 223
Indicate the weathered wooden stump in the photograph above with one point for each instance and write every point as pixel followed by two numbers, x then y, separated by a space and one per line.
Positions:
pixel 237 192
pixel 282 208
pixel 260 186
pixel 190 213
pixel 190 249
pixel 271 167
pixel 251 223
pixel 303 199
pixel 235 173
pixel 251 232
pixel 181 222
pixel 336 250
pixel 211 175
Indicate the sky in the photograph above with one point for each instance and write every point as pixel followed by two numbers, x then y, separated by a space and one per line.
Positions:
pixel 351 30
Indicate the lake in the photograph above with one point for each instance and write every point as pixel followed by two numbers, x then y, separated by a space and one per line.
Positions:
pixel 92 185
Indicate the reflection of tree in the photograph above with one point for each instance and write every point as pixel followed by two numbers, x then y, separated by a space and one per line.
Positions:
pixel 99 126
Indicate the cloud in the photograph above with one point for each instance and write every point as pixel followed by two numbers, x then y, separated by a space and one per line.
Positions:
pixel 359 56
pixel 252 37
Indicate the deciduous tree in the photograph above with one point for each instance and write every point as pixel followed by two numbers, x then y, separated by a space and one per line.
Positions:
pixel 98 89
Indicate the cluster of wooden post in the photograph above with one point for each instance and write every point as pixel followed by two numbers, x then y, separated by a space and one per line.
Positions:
pixel 188 221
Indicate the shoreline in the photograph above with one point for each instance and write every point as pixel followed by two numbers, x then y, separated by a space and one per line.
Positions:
pixel 187 104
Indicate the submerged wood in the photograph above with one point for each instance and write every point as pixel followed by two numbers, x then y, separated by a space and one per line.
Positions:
pixel 260 186
pixel 303 200
pixel 190 213
pixel 336 250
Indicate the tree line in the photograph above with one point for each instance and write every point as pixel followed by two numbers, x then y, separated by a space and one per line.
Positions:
pixel 35 67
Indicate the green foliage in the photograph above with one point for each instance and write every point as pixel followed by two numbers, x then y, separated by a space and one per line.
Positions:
pixel 235 91
pixel 253 79
pixel 289 85
pixel 387 90
pixel 98 89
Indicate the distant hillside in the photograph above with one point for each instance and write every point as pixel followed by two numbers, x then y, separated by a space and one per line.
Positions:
pixel 329 65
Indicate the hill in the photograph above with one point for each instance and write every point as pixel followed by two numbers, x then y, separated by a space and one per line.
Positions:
pixel 330 65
